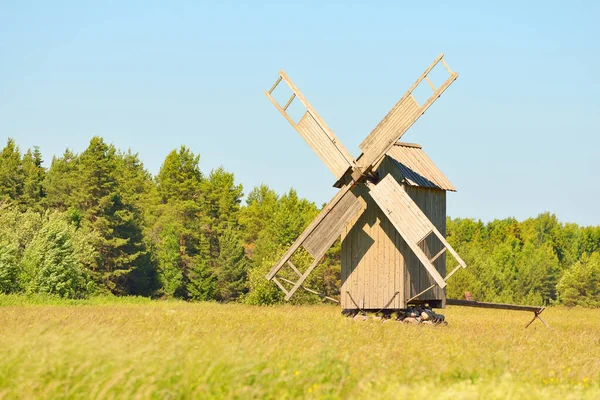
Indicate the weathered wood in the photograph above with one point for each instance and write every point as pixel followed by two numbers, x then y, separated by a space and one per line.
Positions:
pixel 442 251
pixel 450 249
pixel 406 144
pixel 321 239
pixel 378 258
pixel 312 291
pixel 499 306
pixel 275 85
pixel 317 134
pixel 280 286
pixel 289 102
pixel 431 85
pixel 293 267
pixel 418 168
pixel 309 229
pixel 398 120
pixel 301 280
pixel 386 194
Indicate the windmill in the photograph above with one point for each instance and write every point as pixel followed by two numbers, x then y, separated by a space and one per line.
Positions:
pixel 390 209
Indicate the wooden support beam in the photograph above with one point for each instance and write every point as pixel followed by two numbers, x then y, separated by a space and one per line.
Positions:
pixel 289 102
pixel 501 306
pixel 312 291
pixel 294 268
pixel 431 84
pixel 281 110
pixel 442 251
pixel 446 66
pixel 452 273
pixel 280 285
pixel 450 249
pixel 302 278
pixel 498 306
pixel 275 84
pixel 313 225
pixel 427 71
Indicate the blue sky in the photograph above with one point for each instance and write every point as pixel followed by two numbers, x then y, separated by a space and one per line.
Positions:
pixel 518 133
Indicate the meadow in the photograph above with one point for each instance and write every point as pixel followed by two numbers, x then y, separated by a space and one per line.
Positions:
pixel 136 348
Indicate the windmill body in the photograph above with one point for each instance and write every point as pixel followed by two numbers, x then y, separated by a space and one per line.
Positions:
pixel 379 270
pixel 390 210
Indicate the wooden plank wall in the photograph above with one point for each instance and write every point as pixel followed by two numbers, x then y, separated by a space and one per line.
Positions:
pixel 433 204
pixel 371 261
pixel 376 262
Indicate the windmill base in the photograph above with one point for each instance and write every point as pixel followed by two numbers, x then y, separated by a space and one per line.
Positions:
pixel 413 314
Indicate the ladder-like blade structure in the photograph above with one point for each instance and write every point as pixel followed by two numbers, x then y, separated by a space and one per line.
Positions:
pixel 400 118
pixel 410 222
pixel 314 130
pixel 318 237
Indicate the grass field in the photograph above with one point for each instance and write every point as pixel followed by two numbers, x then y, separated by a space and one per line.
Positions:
pixel 139 349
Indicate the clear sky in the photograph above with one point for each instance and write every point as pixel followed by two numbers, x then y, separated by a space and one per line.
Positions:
pixel 518 133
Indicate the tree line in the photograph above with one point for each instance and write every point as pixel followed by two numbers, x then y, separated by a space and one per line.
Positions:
pixel 98 222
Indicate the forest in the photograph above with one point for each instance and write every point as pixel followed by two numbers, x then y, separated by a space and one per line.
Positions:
pixel 98 223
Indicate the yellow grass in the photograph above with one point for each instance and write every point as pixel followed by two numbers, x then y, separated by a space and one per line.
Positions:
pixel 168 350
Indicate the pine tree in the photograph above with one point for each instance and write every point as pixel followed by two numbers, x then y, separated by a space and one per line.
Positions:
pixel 61 181
pixel 258 213
pixel 11 173
pixel 104 206
pixel 180 229
pixel 232 266
pixel 33 178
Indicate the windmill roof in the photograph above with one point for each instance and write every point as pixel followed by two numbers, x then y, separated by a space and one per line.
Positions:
pixel 417 168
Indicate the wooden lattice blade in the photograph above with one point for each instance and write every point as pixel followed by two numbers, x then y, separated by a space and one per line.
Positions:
pixel 315 132
pixel 407 218
pixel 318 237
pixel 399 119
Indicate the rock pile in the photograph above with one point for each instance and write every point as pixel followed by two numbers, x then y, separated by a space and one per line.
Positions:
pixel 411 315
pixel 420 315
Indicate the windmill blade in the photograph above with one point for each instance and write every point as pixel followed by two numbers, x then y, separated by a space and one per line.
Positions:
pixel 400 118
pixel 314 131
pixel 410 222
pixel 318 237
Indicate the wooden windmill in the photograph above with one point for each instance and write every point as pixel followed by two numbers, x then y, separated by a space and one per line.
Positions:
pixel 390 210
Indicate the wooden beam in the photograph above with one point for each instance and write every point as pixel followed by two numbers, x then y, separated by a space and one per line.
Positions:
pixel 302 278
pixel 437 255
pixel 450 249
pixel 313 225
pixel 452 273
pixel 312 291
pixel 280 285
pixel 289 102
pixel 431 84
pixel 275 85
pixel 294 268
pixel 427 71
pixel 317 117
pixel 498 306
pixel 446 66
pixel 281 110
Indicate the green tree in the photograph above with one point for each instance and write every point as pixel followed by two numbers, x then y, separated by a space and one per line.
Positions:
pixel 61 181
pixel 11 174
pixel 580 283
pixel 232 266
pixel 260 208
pixel 50 264
pixel 222 198
pixel 105 208
pixel 9 269
pixel 33 177
pixel 179 232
